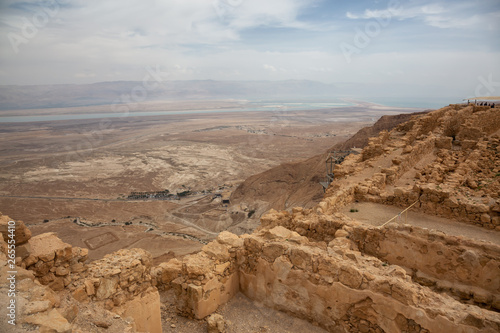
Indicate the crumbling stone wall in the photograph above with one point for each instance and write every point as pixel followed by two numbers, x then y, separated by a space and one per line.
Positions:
pixel 332 284
pixel 48 269
pixel 342 290
pixel 468 269
pixel 122 283
pixel 375 146
pixel 53 262
pixel 203 281
pixel 461 182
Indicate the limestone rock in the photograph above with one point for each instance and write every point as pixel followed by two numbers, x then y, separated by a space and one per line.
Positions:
pixel 230 239
pixel 51 320
pixel 216 324
pixel 36 306
pixel 217 251
pixel 282 233
pixel 22 233
pixel 169 271
pixel 341 233
pixel 197 265
pixel 46 245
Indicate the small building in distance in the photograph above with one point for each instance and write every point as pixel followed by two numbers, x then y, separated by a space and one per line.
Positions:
pixel 490 101
pixel 226 198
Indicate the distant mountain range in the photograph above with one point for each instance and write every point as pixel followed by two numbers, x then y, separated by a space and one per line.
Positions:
pixel 14 97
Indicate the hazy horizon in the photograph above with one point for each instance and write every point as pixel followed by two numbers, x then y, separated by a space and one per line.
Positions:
pixel 407 48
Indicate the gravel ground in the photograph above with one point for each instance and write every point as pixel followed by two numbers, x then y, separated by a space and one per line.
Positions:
pixel 241 314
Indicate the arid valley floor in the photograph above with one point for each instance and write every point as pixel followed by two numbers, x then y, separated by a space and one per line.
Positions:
pixel 65 175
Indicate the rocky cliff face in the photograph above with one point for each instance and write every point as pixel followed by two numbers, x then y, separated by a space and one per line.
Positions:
pixel 297 184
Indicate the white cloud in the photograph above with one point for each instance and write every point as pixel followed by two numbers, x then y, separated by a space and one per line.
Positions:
pixel 436 15
pixel 270 68
pixel 91 41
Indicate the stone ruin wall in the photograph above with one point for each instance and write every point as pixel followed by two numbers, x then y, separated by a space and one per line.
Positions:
pixel 340 289
pixel 466 269
pixel 476 123
pixel 205 280
pixel 122 283
pixel 48 268
pixel 325 277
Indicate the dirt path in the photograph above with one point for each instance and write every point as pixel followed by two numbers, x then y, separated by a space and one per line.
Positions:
pixel 58 198
pixel 378 214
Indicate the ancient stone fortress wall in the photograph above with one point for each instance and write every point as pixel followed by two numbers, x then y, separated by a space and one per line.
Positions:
pixel 461 181
pixel 343 290
pixel 466 269
pixel 332 284
pixel 53 282
pixel 205 280
pixel 121 282
pixel 323 277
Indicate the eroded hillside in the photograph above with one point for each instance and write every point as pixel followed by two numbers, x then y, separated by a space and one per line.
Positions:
pixel 297 184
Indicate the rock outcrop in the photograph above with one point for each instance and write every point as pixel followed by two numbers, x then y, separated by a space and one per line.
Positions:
pixel 297 184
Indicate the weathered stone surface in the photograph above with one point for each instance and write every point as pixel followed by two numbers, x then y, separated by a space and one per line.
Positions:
pixel 350 276
pixel 145 310
pixel 217 251
pixel 281 233
pixel 341 233
pixel 216 324
pixel 169 271
pixel 89 287
pixel 197 265
pixel 62 271
pixel 70 313
pixel 80 294
pixel 220 269
pixel 230 239
pixel 36 306
pixel 44 246
pixel 106 289
pixel 21 235
pixel 52 320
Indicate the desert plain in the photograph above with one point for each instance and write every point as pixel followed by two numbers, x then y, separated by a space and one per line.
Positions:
pixel 74 176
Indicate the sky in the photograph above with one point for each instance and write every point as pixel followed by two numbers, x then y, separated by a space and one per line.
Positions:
pixel 440 47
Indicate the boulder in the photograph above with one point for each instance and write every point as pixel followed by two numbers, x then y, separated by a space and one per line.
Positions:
pixel 52 320
pixel 22 234
pixel 216 324
pixel 217 251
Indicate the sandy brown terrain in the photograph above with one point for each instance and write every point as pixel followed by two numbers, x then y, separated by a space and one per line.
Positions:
pixel 65 170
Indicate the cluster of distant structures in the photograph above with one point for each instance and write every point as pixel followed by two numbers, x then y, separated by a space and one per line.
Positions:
pixel 482 103
pixel 222 193
pixel 157 195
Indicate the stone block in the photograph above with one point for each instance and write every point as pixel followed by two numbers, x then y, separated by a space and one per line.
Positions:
pixel 217 251
pixel 22 233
